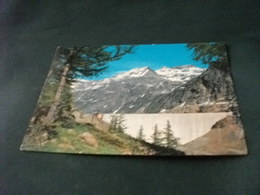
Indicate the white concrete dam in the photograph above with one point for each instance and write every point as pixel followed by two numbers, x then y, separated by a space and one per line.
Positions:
pixel 186 126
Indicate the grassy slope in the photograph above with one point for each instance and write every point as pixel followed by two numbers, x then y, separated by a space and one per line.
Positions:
pixel 68 140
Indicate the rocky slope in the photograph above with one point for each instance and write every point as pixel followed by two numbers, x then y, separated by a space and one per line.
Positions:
pixel 212 91
pixel 225 138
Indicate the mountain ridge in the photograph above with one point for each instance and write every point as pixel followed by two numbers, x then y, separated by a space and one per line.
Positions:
pixel 131 91
pixel 212 91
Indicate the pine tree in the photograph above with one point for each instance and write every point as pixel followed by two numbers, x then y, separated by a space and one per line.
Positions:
pixel 117 123
pixel 113 123
pixel 141 133
pixel 156 136
pixel 80 62
pixel 120 123
pixel 168 139
pixel 213 54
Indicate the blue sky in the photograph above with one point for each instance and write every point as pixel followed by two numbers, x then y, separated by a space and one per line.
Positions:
pixel 154 56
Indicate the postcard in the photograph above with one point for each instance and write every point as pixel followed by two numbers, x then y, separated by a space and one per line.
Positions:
pixel 157 99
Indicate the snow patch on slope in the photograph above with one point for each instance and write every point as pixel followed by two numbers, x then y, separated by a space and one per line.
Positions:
pixel 179 73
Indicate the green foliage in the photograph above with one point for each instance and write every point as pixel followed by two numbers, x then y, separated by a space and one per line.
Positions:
pixel 91 61
pixel 70 64
pixel 64 114
pixel 140 133
pixel 68 141
pixel 85 61
pixel 117 123
pixel 48 93
pixel 209 53
pixel 121 126
pixel 164 138
pixel 156 136
pixel 113 123
pixel 168 139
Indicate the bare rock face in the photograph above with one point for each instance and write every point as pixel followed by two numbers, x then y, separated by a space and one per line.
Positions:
pixel 212 91
pixel 92 119
pixel 89 139
pixel 226 137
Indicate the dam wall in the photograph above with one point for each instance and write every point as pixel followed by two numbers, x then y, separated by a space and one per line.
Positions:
pixel 186 126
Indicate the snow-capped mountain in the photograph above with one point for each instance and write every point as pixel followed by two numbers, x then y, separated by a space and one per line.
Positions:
pixel 137 72
pixel 180 73
pixel 131 91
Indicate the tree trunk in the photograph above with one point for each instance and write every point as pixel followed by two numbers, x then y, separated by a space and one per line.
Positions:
pixel 52 111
